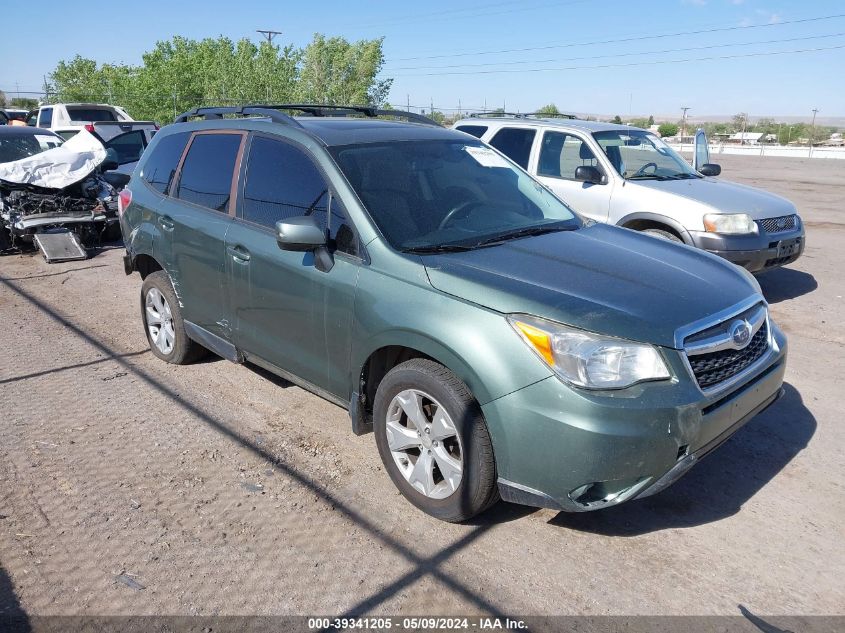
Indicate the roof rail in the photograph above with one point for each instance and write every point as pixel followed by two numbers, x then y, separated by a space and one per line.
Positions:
pixel 218 112
pixel 521 115
pixel 319 110
pixel 313 109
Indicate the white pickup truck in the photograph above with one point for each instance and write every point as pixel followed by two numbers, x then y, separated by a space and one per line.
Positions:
pixel 111 124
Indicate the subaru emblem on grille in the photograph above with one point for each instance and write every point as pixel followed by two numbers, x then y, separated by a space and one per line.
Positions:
pixel 781 223
pixel 740 333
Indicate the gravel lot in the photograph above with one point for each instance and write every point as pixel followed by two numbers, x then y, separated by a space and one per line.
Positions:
pixel 128 486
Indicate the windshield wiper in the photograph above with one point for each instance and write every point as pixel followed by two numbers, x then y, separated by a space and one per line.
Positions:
pixel 438 248
pixel 647 177
pixel 525 232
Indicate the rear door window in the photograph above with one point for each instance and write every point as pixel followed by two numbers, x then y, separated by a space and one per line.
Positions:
pixel 515 143
pixel 206 177
pixel 161 166
pixel 476 130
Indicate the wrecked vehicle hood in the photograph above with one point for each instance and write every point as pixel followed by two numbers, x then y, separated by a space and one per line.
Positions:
pixel 59 167
pixel 600 278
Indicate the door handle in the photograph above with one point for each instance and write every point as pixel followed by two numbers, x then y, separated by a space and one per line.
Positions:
pixel 238 253
pixel 166 222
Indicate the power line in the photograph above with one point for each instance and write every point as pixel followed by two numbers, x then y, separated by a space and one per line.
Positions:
pixel 626 54
pixel 644 63
pixel 622 40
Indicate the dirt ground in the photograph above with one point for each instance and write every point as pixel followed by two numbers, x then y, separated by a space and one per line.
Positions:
pixel 128 486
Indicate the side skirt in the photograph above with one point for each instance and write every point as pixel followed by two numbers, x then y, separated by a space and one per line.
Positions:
pixel 216 344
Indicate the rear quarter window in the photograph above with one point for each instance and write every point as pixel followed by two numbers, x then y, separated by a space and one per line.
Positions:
pixel 160 167
pixel 515 143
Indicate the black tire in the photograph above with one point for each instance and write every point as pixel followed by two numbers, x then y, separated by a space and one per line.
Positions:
pixel 184 350
pixel 478 489
pixel 663 235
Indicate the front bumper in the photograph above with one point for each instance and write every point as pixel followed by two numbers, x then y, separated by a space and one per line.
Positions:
pixel 757 252
pixel 578 451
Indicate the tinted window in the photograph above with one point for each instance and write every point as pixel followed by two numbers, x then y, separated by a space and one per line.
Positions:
pixel 430 194
pixel 476 130
pixel 161 165
pixel 561 154
pixel 129 146
pixel 46 117
pixel 515 144
pixel 91 114
pixel 206 177
pixel 17 147
pixel 282 182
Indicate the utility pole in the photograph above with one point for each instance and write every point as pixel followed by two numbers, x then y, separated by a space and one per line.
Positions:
pixel 269 34
pixel 813 132
pixel 684 122
pixel 408 102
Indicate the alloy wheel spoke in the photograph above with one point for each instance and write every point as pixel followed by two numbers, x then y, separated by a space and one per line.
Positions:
pixel 449 467
pixel 422 475
pixel 401 438
pixel 411 404
pixel 153 317
pixel 441 426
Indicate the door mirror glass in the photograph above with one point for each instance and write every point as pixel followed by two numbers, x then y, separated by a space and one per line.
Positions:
pixel 589 174
pixel 300 233
pixel 710 169
pixel 701 151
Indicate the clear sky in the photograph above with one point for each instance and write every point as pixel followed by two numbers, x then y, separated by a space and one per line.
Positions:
pixel 587 56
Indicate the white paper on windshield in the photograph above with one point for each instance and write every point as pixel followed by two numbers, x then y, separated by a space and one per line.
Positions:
pixel 58 167
pixel 486 157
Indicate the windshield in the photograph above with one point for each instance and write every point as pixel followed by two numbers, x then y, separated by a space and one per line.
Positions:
pixel 17 147
pixel 449 195
pixel 640 155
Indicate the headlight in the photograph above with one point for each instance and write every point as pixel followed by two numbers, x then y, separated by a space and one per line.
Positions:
pixel 590 360
pixel 729 223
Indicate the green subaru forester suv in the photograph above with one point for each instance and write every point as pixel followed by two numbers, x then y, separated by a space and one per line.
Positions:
pixel 498 345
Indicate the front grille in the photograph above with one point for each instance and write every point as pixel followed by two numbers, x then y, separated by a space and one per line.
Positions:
pixel 778 225
pixel 715 367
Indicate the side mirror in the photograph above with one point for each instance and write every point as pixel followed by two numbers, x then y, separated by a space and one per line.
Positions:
pixel 300 233
pixel 587 173
pixel 111 161
pixel 710 169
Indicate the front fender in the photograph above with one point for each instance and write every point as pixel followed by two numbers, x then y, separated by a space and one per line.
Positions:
pixel 662 219
pixel 475 343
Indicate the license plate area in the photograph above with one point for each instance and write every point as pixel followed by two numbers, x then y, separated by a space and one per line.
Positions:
pixel 787 248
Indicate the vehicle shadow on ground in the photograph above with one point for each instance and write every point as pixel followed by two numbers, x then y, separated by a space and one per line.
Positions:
pixel 717 487
pixel 782 284
pixel 12 615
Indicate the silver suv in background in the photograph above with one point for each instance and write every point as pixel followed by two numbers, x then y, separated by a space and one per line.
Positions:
pixel 629 177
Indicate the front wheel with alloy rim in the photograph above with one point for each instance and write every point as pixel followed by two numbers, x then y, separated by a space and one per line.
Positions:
pixel 433 441
pixel 163 322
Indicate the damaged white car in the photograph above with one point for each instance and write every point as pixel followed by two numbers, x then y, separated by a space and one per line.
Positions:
pixel 53 195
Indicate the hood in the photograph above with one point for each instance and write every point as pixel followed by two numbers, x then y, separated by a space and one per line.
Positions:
pixel 724 196
pixel 601 278
pixel 58 167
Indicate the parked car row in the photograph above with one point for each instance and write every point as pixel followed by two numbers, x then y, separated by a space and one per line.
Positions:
pixel 472 304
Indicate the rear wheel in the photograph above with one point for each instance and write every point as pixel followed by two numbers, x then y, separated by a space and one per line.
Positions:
pixel 433 441
pixel 163 322
pixel 663 235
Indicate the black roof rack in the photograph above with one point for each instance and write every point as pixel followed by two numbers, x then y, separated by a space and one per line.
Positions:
pixel 521 115
pixel 273 112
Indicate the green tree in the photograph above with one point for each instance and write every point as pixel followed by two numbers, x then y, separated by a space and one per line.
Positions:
pixel 181 73
pixel 22 103
pixel 2 99
pixel 336 71
pixel 548 110
pixel 667 129
pixel 617 119
pixel 436 116
pixel 740 122
pixel 641 123
pixel 650 120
